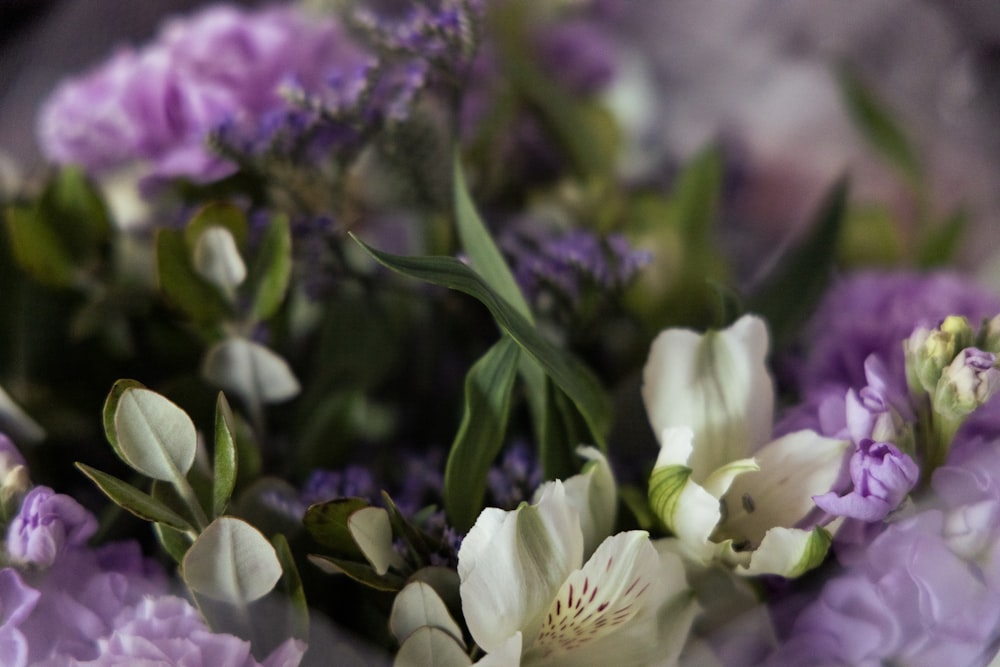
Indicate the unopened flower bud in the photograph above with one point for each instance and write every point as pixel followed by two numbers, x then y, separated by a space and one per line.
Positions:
pixel 991 335
pixel 968 382
pixel 929 351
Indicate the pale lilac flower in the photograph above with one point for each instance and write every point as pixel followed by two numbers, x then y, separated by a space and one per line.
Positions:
pixel 882 476
pixel 47 524
pixel 872 312
pixel 17 600
pixel 167 630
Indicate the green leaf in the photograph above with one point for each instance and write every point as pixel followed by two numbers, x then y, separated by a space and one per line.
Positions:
pixel 695 197
pixel 217 259
pixel 483 253
pixel 272 268
pixel 73 207
pixel 38 249
pixel 360 572
pixel 870 236
pixel 224 469
pixel 174 542
pixel 232 562
pixel 110 406
pixel 293 589
pixel 787 298
pixel 568 373
pixel 940 243
pixel 564 430
pixel 217 214
pixel 133 500
pixel 250 370
pixel 488 387
pixel 155 437
pixel 327 523
pixel 181 284
pixel 372 532
pixel 415 543
pixel 878 127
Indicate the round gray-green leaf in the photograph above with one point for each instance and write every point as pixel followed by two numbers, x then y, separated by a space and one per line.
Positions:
pixel 231 561
pixel 154 436
pixel 250 370
pixel 217 259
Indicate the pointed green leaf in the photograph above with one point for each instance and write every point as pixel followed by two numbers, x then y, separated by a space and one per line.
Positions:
pixel 359 572
pixel 272 268
pixel 232 562
pixel 155 437
pixel 564 430
pixel 180 282
pixel 327 523
pixel 790 293
pixel 174 542
pixel 415 543
pixel 74 208
pixel 293 589
pixel 488 387
pixel 224 470
pixel 133 500
pixel 483 253
pixel 878 127
pixel 569 374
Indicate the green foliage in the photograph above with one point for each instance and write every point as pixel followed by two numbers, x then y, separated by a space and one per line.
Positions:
pixel 133 500
pixel 225 467
pixel 568 373
pixel 488 386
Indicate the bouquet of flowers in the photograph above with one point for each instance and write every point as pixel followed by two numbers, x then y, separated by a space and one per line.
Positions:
pixel 385 333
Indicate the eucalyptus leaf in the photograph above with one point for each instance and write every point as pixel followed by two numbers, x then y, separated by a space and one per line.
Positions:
pixel 414 540
pixel 250 370
pixel 431 646
pixel 359 572
pixel 232 562
pixel 225 466
pixel 217 259
pixel 217 214
pixel 182 285
pixel 488 387
pixel 418 605
pixel 293 588
pixel 569 374
pixel 155 437
pixel 72 206
pixel 272 268
pixel 133 500
pixel 327 523
pixel 110 406
pixel 372 532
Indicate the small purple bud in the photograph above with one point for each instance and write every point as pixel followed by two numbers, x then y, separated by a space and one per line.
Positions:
pixel 882 477
pixel 48 523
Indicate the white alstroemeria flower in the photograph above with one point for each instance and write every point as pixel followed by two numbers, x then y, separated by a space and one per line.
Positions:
pixel 529 599
pixel 718 484
pixel 594 494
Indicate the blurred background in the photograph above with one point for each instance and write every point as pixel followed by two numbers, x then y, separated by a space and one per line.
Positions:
pixel 758 77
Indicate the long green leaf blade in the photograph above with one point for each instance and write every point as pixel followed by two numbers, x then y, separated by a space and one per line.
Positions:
pixel 133 500
pixel 488 387
pixel 569 374
pixel 224 470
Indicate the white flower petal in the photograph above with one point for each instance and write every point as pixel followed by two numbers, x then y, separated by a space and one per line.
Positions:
pixel 599 599
pixel 594 494
pixel 788 552
pixel 793 469
pixel 718 385
pixel 508 654
pixel 684 506
pixel 511 565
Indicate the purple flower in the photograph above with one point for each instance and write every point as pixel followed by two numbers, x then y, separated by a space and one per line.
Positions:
pixel 579 54
pixel 17 600
pixel 882 477
pixel 515 478
pixel 159 104
pixel 167 630
pixel 352 481
pixel 47 524
pixel 879 410
pixel 873 312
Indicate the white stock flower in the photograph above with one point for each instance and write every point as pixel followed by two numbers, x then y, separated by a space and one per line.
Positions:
pixel 718 484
